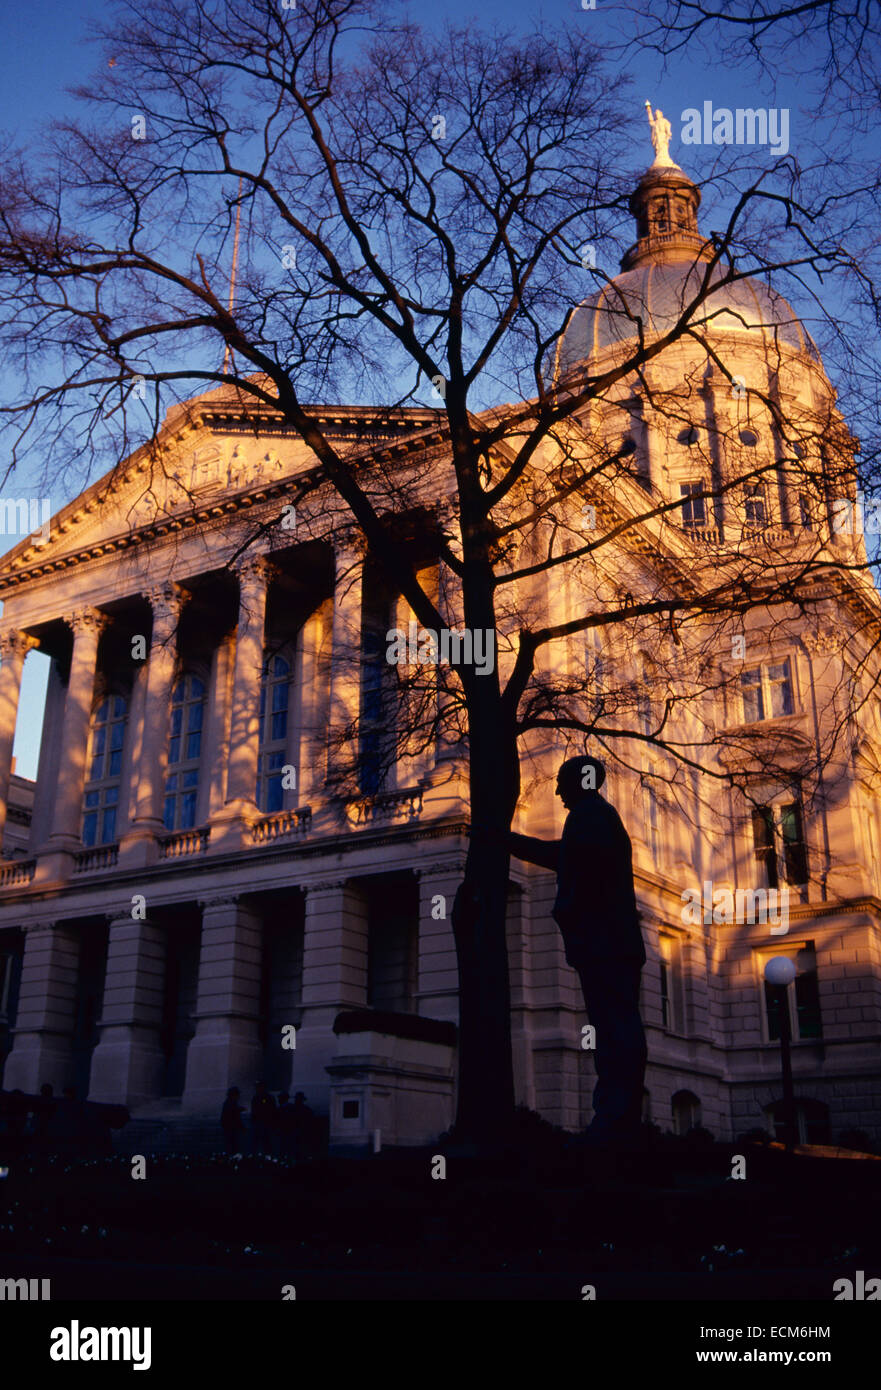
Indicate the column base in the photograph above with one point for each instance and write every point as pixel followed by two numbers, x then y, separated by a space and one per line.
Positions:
pixel 225 1052
pixel 127 1066
pixel 231 827
pixel 316 1050
pixel 37 1058
pixel 139 847
pixel 55 865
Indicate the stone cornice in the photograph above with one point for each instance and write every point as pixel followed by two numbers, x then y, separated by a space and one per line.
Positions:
pixel 200 517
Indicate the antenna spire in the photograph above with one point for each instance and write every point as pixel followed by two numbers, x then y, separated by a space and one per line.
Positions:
pixel 227 352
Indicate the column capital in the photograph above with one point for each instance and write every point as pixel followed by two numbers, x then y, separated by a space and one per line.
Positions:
pixel 255 570
pixel 122 915
pixel 349 545
pixel 16 642
pixel 430 870
pixel 327 885
pixel 166 602
pixel 87 620
pixel 165 598
pixel 39 928
pixel 219 901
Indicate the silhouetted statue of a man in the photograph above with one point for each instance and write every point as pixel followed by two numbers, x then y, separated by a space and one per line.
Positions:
pixel 596 912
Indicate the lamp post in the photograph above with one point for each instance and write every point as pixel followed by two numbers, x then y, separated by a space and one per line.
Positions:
pixel 779 973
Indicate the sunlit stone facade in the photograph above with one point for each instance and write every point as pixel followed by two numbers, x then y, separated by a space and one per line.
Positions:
pixel 191 880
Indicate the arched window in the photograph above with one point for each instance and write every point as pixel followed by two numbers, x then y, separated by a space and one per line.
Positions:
pixel 101 794
pixel 274 702
pixel 184 752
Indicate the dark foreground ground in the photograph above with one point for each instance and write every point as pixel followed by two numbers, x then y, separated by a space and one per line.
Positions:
pixel 665 1223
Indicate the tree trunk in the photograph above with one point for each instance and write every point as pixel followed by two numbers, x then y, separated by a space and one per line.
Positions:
pixel 485 1109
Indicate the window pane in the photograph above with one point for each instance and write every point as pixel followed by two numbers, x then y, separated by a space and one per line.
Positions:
pixel 197 688
pixel 174 751
pixel 115 766
pixel 168 812
pixel 119 707
pixel 108 826
pixel 279 726
pixel 111 796
pixel 191 778
pixel 280 696
pixel 117 735
pixel 794 851
pixel 693 507
pixel 807 995
pixel 90 826
pixel 781 689
pixel 194 717
pixel 92 798
pixel 275 794
pixel 194 745
pixel 176 720
pixel 171 783
pixel 97 768
pixel 188 811
pixel 751 689
pixel 763 842
pixel 772 1008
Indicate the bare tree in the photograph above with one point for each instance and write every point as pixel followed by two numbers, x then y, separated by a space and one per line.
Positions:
pixel 421 212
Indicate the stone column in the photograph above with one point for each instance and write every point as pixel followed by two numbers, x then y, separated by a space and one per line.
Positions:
pixel 346 652
pixel 128 1062
pixel 437 988
pixel 42 1049
pixel 520 965
pixel 139 846
pixel 14 647
pixel 65 835
pixel 310 704
pixel 226 1050
pixel 334 979
pixel 51 754
pixel 212 791
pixel 229 828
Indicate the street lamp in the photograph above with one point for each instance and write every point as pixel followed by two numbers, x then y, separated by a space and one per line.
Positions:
pixel 779 974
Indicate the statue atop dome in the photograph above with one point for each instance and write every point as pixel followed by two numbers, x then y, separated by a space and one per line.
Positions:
pixel 661 135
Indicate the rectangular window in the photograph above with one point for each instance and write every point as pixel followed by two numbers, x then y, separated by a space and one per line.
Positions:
pixel 754 505
pixel 672 993
pixel 274 790
pixel 693 506
pixel 780 686
pixel 767 692
pixel 751 690
pixel 795 859
pixel 779 844
pixel 764 846
pixel 802 998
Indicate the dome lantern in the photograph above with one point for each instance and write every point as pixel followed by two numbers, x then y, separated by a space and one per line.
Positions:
pixel 664 204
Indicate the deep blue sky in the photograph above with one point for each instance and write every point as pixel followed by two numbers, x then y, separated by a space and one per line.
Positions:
pixel 43 51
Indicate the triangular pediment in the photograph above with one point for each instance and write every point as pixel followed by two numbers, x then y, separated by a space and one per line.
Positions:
pixel 210 452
